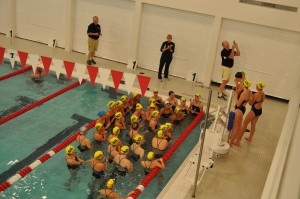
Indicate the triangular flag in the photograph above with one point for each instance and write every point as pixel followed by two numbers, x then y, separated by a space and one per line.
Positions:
pixel 12 57
pixel 144 82
pixel 93 72
pixel 129 80
pixel 80 70
pixel 69 66
pixel 104 74
pixel 57 67
pixel 46 62
pixel 2 51
pixel 117 77
pixel 34 59
pixel 23 58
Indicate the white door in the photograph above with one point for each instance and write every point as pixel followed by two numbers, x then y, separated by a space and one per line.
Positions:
pixel 116 21
pixel 4 18
pixel 191 34
pixel 267 54
pixel 39 20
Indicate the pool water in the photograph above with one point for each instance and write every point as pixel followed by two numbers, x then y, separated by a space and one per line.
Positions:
pixel 21 136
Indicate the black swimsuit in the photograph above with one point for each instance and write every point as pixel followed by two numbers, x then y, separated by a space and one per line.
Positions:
pixel 73 166
pixel 134 156
pixel 257 112
pixel 241 107
pixel 158 153
pixel 121 170
pixel 97 174
pixel 82 148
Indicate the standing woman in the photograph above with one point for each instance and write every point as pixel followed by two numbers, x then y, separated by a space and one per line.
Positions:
pixel 167 48
pixel 256 111
pixel 239 112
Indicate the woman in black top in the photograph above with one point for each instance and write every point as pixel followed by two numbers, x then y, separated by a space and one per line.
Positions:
pixel 167 48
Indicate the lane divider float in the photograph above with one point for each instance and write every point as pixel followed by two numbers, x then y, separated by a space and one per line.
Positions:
pixel 20 71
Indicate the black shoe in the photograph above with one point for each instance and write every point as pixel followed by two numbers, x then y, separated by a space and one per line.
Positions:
pixel 93 61
pixel 224 94
pixel 221 97
pixel 89 62
pixel 247 130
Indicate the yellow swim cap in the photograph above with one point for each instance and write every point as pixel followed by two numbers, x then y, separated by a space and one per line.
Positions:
pixel 98 126
pixel 134 118
pixel 182 99
pixel 110 104
pixel 110 183
pixel 247 83
pixel 151 100
pixel 261 85
pixel 123 98
pixel 119 103
pixel 155 90
pixel 150 155
pixel 114 141
pixel 197 95
pixel 118 115
pixel 98 155
pixel 152 105
pixel 169 125
pixel 134 94
pixel 177 109
pixel 124 150
pixel 154 113
pixel 116 130
pixel 160 134
pixel 138 106
pixel 163 127
pixel 70 150
pixel 138 138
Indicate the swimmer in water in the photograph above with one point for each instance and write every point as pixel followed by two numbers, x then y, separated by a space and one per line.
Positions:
pixel 154 120
pixel 113 148
pixel 83 141
pixel 167 111
pixel 100 133
pixel 122 164
pixel 159 144
pixel 151 163
pixel 109 193
pixel 120 120
pixel 139 111
pixel 115 133
pixel 150 110
pixel 37 75
pixel 196 106
pixel 98 164
pixel 178 115
pixel 157 98
pixel 136 147
pixel 73 160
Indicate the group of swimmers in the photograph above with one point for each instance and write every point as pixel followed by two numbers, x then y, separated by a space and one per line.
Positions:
pixel 118 153
pixel 243 97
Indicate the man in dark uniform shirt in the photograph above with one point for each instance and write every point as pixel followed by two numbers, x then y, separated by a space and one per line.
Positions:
pixel 227 56
pixel 94 32
pixel 167 48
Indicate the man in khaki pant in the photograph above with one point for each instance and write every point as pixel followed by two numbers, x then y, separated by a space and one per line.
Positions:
pixel 94 32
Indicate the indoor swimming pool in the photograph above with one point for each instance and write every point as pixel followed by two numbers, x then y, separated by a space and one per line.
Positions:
pixel 25 138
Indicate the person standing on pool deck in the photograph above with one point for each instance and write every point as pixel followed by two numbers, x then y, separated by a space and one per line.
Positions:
pixel 227 56
pixel 167 48
pixel 94 32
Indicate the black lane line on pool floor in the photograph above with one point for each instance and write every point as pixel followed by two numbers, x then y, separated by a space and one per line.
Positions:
pixel 64 134
pixel 22 101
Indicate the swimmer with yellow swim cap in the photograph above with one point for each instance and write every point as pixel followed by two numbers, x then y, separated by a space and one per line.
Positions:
pixel 100 133
pixel 109 193
pixel 240 109
pixel 83 141
pixel 73 160
pixel 157 98
pixel 98 164
pixel 154 120
pixel 135 99
pixel 115 134
pixel 152 107
pixel 159 144
pixel 177 115
pixel 126 104
pixel 139 111
pixel 120 120
pixel 184 108
pixel 122 164
pixel 151 163
pixel 256 111
pixel 113 148
pixel 111 113
pixel 196 106
pixel 136 147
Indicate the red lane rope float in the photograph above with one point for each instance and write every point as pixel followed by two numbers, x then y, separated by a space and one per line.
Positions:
pixel 20 71
pixel 42 159
pixel 138 190
pixel 39 102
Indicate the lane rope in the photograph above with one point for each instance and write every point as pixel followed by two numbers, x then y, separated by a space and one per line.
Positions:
pixel 20 71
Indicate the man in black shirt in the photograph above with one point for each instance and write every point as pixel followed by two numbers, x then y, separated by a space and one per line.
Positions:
pixel 167 48
pixel 94 32
pixel 227 56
